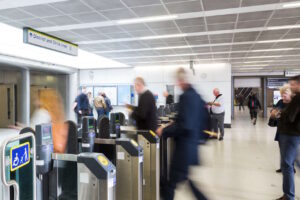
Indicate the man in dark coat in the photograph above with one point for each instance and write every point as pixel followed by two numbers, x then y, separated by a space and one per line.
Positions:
pixel 145 113
pixel 186 133
pixel 253 105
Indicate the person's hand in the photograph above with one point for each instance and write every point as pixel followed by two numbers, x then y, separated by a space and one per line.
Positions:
pixel 274 113
pixel 80 112
pixel 159 131
pixel 210 103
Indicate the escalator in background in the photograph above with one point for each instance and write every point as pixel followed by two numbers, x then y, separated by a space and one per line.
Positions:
pixel 7 105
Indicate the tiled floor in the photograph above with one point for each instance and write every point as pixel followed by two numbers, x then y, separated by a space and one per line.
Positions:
pixel 242 167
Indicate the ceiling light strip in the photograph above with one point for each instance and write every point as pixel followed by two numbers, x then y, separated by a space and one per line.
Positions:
pixel 206 53
pixel 257 29
pixel 196 46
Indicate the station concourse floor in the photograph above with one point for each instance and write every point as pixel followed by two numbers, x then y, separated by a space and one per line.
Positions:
pixel 242 167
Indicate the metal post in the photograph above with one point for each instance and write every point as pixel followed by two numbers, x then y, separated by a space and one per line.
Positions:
pixel 265 97
pixel 25 96
pixel 232 97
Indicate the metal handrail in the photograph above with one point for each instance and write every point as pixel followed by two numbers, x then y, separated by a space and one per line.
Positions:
pixel 13 182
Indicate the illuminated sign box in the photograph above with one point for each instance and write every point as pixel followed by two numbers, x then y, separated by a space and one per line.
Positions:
pixel 37 38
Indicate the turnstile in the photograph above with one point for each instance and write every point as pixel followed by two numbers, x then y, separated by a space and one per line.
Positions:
pixel 96 176
pixel 151 173
pixel 128 157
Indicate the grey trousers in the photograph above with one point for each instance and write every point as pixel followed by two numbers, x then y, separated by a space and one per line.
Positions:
pixel 218 122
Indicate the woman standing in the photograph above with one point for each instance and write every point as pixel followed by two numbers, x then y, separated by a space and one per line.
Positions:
pixel 286 95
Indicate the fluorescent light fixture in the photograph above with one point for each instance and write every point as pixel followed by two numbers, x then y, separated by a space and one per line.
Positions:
pixel 283 27
pixel 163 36
pixel 252 65
pixel 252 68
pixel 267 50
pixel 147 19
pixel 275 41
pixel 291 5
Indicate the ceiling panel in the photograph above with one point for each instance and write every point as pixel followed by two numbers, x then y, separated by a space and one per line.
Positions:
pixel 287 13
pixel 61 20
pixel 134 3
pixel 36 23
pixel 192 29
pixel 162 25
pixel 255 16
pixel 118 35
pixel 217 27
pixel 70 7
pixel 217 4
pixel 88 17
pixel 251 24
pixel 166 31
pixel 258 2
pixel 41 10
pixel 104 4
pixel 141 33
pixel 85 31
pixel 109 29
pixel 118 14
pixel 221 19
pixel 227 35
pixel 184 7
pixel 15 14
pixel 148 11
pixel 190 22
pixel 283 21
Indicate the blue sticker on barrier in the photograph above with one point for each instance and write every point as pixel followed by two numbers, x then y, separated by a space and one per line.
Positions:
pixel 19 156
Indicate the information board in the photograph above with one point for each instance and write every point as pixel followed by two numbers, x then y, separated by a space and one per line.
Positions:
pixel 124 95
pixel 110 91
pixel 19 156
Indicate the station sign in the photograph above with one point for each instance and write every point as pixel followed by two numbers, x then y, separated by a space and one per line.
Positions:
pixel 19 156
pixel 44 40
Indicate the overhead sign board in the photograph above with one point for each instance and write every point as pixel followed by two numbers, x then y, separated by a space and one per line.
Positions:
pixel 37 38
pixel 291 73
pixel 19 156
pixel 276 82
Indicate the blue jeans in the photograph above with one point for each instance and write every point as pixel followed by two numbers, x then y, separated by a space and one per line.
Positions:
pixel 288 150
pixel 100 112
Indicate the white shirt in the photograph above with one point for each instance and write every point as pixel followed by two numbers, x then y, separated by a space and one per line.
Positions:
pixel 218 109
pixel 40 116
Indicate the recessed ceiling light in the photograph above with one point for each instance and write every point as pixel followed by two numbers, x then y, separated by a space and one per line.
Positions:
pixel 291 5
pixel 147 19
pixel 162 36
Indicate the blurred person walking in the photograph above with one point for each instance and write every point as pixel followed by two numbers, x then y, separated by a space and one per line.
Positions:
pixel 145 113
pixel 186 133
pixel 241 99
pixel 217 110
pixel 253 105
pixel 289 139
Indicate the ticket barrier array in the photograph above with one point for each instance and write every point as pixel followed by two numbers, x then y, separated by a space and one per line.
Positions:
pixel 83 176
pixel 124 153
pixel 151 145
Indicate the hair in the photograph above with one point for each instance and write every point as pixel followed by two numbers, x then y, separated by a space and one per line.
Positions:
pixel 103 94
pixel 140 80
pixel 181 74
pixel 51 101
pixel 285 89
pixel 217 90
pixel 295 78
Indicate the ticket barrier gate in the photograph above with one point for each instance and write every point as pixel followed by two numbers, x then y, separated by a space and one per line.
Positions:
pixel 18 168
pixel 151 145
pixel 126 155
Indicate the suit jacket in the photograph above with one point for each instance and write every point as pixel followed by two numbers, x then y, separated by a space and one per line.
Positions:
pixel 186 129
pixel 145 113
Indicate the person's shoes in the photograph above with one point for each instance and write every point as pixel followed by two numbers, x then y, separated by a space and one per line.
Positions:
pixel 278 171
pixel 254 122
pixel 221 138
pixel 294 170
pixel 282 198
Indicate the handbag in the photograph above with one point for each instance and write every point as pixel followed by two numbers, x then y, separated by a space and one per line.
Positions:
pixel 272 122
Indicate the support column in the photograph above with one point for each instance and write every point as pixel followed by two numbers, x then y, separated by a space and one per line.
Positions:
pixel 25 97
pixel 72 88
pixel 265 107
pixel 232 97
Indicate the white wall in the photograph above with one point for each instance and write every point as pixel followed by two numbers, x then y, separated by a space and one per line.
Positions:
pixel 207 77
pixel 247 82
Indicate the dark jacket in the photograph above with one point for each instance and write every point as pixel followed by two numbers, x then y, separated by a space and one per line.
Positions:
pixel 145 113
pixel 279 106
pixel 170 99
pixel 289 122
pixel 186 129
pixel 82 102
pixel 253 103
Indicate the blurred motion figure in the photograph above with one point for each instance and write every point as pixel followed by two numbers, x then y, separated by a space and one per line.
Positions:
pixel 253 105
pixel 186 132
